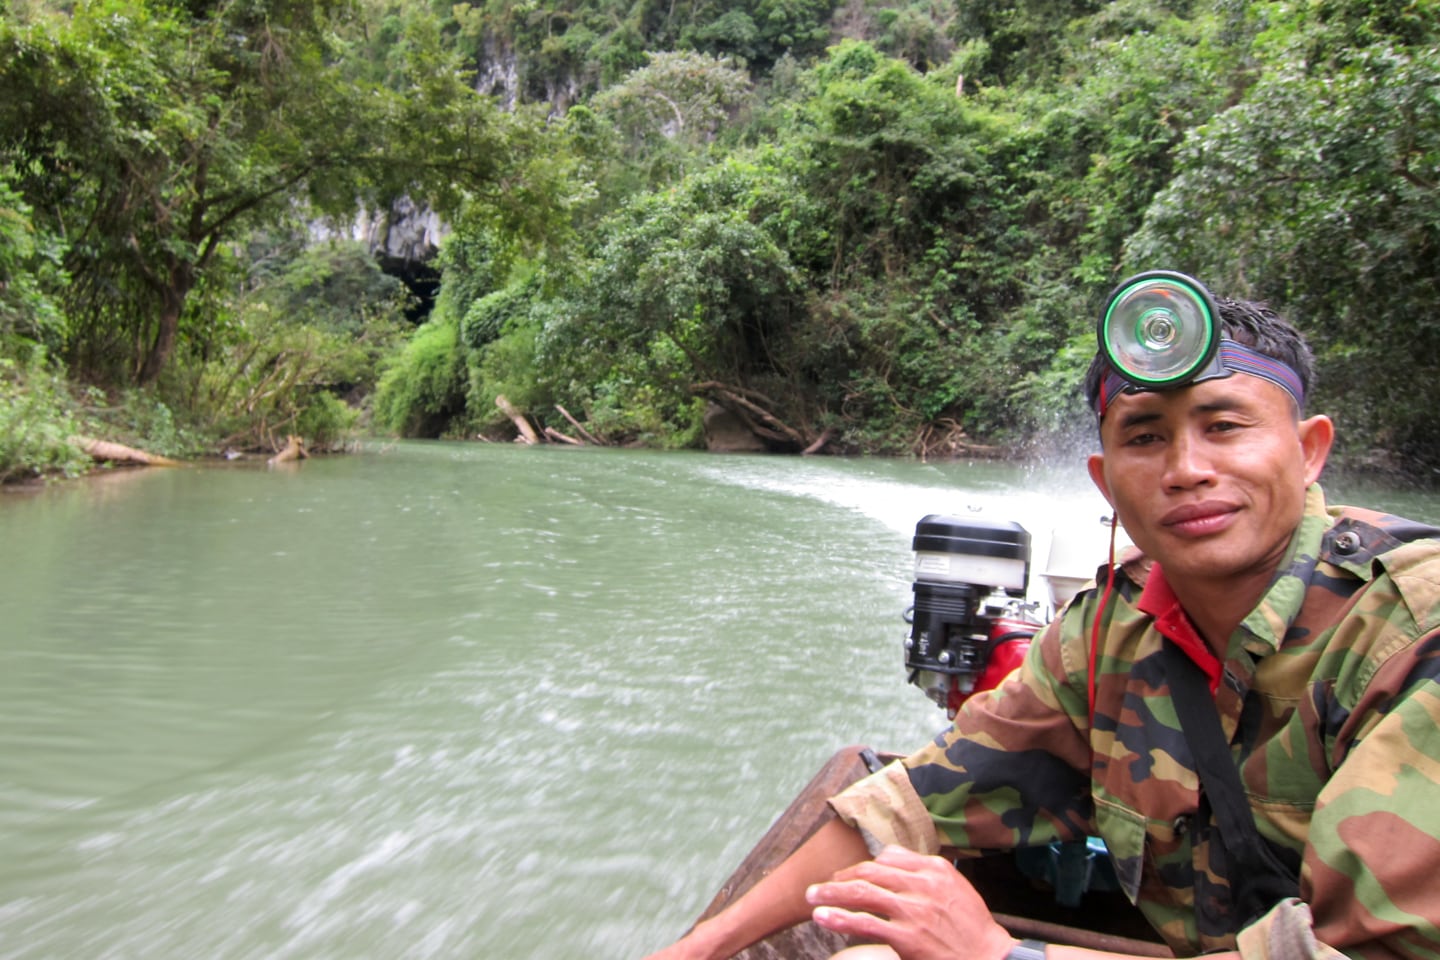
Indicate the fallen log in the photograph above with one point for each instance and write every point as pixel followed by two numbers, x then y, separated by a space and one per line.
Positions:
pixel 559 437
pixel 576 424
pixel 819 443
pixel 527 432
pixel 120 453
pixel 946 438
pixel 761 421
pixel 294 450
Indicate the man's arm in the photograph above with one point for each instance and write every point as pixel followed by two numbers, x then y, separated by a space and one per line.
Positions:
pixel 777 901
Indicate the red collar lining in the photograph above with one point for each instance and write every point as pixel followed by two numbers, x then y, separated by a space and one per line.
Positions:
pixel 1159 601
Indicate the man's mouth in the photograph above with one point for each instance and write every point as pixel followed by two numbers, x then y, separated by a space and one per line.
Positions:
pixel 1199 519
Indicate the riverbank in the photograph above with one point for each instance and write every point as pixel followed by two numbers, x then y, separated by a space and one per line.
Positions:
pixel 53 429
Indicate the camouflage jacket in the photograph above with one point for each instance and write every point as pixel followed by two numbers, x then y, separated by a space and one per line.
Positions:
pixel 1330 694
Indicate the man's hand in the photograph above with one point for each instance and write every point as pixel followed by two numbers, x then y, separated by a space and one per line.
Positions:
pixel 921 906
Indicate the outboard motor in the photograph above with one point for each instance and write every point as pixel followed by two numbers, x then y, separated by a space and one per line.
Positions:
pixel 970 625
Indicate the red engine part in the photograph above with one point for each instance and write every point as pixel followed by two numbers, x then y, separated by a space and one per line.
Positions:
pixel 1009 641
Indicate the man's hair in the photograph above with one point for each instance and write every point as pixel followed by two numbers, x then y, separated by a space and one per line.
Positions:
pixel 1253 324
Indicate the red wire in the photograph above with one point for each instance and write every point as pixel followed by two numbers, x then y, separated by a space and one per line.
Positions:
pixel 1090 685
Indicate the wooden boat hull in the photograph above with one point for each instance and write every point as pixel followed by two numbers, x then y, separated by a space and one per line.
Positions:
pixel 1102 922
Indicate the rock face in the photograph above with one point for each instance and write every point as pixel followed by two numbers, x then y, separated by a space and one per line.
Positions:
pixel 727 433
pixel 404 240
pixel 498 71
pixel 405 233
pixel 501 74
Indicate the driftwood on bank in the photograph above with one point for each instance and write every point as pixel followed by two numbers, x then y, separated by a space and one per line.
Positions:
pixel 294 450
pixel 559 437
pixel 119 453
pixel 819 443
pixel 750 406
pixel 527 432
pixel 945 438
pixel 580 429
pixel 747 405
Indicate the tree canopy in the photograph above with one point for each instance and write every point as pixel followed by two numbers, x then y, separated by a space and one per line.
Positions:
pixel 150 135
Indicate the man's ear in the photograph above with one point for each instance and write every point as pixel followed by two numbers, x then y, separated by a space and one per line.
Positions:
pixel 1317 435
pixel 1096 465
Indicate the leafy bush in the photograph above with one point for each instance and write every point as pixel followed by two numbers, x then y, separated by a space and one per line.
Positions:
pixel 326 422
pixel 36 421
pixel 304 326
pixel 141 419
pixel 423 387
pixel 490 316
pixel 635 412
pixel 506 367
pixel 687 287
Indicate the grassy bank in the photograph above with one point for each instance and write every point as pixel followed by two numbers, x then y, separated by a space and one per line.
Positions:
pixel 44 418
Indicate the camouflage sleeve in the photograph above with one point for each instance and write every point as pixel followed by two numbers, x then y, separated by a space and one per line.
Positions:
pixel 1011 771
pixel 886 809
pixel 1370 871
pixel 1369 875
pixel 1014 769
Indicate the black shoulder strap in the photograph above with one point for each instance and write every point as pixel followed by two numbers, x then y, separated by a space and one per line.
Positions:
pixel 1258 877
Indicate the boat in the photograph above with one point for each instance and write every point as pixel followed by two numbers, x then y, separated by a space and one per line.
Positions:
pixel 1102 920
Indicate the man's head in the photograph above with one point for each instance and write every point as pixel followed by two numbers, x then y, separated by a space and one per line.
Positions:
pixel 1210 478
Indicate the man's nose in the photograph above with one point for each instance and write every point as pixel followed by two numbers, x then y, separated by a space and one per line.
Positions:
pixel 1187 463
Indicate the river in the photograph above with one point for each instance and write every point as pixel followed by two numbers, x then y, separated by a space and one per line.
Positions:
pixel 443 700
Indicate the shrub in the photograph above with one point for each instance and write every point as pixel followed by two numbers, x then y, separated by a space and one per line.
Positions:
pixel 326 422
pixel 36 422
pixel 423 386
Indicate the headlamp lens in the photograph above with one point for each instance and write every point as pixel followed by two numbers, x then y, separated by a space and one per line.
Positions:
pixel 1159 329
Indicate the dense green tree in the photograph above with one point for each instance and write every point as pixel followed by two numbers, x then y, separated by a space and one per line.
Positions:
pixel 687 289
pixel 31 272
pixel 153 134
pixel 678 99
pixel 1024 41
pixel 1320 192
pixel 423 391
pixel 760 31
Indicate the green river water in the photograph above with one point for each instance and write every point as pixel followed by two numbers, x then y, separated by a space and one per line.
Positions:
pixel 446 700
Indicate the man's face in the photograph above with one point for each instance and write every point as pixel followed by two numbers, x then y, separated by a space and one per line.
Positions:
pixel 1210 479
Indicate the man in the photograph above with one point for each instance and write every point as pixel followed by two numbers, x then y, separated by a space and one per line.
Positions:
pixel 1318 635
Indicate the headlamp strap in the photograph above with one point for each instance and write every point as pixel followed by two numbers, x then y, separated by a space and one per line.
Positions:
pixel 1243 359
pixel 1233 358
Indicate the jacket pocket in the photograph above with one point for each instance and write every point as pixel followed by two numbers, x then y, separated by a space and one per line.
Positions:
pixel 1123 831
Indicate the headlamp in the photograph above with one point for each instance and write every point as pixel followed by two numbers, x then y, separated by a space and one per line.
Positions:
pixel 1160 331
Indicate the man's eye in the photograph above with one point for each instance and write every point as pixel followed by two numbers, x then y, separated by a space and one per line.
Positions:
pixel 1142 440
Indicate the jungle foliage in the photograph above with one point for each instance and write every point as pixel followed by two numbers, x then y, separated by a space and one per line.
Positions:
pixel 900 242
pixel 886 224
